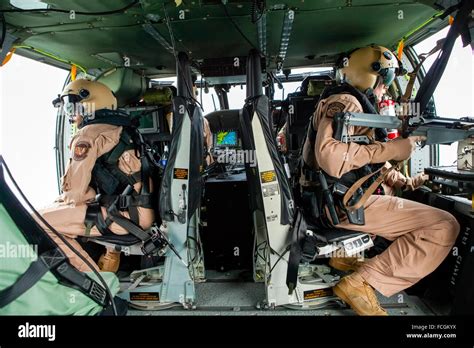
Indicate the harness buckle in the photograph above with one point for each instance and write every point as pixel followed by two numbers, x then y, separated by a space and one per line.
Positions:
pixel 98 293
pixel 123 202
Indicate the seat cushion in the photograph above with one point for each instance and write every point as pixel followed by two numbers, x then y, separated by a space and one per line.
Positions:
pixel 335 235
pixel 125 239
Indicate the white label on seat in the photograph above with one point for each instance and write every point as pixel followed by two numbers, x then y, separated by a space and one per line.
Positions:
pixel 357 244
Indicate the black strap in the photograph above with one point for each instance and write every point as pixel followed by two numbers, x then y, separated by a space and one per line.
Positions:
pixel 32 275
pixel 94 218
pixel 134 216
pixel 83 283
pixel 432 78
pixel 114 216
pixel 145 164
pixel 40 267
pixel 125 143
pixel 298 235
pixel 113 117
pixel 127 201
pixel 115 204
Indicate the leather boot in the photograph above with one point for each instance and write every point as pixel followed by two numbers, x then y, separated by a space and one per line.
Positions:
pixel 110 261
pixel 359 295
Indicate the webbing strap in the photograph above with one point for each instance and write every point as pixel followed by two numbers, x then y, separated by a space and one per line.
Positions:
pixel 32 275
pixel 359 183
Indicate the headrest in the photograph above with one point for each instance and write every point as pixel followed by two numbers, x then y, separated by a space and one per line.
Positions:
pixel 316 87
pixel 158 96
pixel 319 80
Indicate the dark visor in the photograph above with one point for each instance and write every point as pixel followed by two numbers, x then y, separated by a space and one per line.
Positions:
pixel 66 99
pixel 388 75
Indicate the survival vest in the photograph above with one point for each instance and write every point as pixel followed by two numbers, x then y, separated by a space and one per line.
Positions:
pixel 113 186
pixel 351 177
pixel 330 193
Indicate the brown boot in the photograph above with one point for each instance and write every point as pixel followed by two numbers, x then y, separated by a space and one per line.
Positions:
pixel 359 295
pixel 110 261
pixel 345 264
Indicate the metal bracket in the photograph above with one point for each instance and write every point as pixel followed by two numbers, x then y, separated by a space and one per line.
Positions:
pixel 438 130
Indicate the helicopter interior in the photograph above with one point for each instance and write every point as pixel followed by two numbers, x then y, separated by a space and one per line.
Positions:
pixel 226 249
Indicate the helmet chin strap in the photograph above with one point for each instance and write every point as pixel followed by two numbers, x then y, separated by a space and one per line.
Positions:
pixel 369 92
pixel 86 118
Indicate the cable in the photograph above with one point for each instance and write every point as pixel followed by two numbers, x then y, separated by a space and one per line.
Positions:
pixel 258 248
pixel 173 45
pixel 200 93
pixel 60 236
pixel 104 13
pixel 240 31
pixel 256 9
pixel 280 256
pixel 52 56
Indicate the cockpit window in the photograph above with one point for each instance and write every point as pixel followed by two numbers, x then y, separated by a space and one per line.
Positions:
pixel 453 96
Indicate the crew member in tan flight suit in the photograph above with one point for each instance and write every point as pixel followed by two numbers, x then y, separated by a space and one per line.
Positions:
pixel 422 236
pixel 394 180
pixel 67 215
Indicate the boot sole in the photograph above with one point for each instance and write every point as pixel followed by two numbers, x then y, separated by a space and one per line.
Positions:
pixel 339 293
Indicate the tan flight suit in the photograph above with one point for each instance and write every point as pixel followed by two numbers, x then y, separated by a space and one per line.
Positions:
pixel 68 213
pixel 422 235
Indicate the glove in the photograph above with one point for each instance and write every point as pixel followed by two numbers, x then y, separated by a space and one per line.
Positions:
pixel 401 148
pixel 415 182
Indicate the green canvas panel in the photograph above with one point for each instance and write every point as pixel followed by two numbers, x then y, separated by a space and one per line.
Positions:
pixel 47 297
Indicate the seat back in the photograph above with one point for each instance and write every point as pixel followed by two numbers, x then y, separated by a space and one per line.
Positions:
pixel 301 107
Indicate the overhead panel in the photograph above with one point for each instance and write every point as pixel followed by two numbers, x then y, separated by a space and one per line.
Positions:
pixel 316 33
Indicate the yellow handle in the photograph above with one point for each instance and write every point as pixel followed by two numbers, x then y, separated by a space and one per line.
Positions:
pixel 8 57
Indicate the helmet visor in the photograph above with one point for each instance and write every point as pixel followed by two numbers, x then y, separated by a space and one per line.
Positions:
pixel 388 75
pixel 70 104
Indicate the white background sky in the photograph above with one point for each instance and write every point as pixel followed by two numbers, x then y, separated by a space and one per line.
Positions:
pixel 27 118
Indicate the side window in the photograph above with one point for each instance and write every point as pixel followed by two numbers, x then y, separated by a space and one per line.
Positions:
pixel 453 96
pixel 28 120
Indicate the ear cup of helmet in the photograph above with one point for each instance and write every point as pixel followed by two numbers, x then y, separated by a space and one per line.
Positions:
pixel 376 66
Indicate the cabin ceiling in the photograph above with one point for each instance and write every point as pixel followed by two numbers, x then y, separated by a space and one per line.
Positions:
pixel 320 30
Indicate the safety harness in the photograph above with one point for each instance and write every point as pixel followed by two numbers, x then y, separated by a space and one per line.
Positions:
pixel 425 92
pixel 330 190
pixel 115 188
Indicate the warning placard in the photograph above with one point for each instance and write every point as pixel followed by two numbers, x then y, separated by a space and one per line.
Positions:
pixel 271 218
pixel 267 176
pixel 180 173
pixel 144 296
pixel 317 293
pixel 270 190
